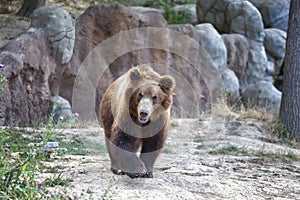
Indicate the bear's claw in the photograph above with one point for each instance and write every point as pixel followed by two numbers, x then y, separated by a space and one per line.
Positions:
pixel 137 175
pixel 117 171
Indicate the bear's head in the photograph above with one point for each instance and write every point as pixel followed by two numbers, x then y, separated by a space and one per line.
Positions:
pixel 152 95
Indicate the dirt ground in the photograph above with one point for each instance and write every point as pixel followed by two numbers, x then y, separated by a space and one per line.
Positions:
pixel 210 159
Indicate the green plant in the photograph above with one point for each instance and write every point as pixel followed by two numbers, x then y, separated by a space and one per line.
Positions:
pixel 278 130
pixel 75 146
pixel 283 156
pixel 172 17
pixel 107 193
pixel 21 153
pixel 230 150
pixel 19 166
pixel 57 180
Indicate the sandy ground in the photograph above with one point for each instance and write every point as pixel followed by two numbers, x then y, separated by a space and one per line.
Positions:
pixel 188 168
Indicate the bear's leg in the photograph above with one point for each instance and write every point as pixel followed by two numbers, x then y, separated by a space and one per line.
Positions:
pixel 114 165
pixel 123 149
pixel 150 150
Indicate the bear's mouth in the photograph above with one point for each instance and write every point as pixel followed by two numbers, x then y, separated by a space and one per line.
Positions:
pixel 143 120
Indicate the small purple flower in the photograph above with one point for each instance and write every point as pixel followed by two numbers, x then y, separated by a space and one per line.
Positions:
pixel 42 188
pixel 6 149
pixel 40 184
pixel 76 115
pixel 2 66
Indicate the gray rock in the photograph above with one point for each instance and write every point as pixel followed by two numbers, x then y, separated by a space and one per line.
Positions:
pixel 271 70
pixel 232 16
pixel 238 16
pixel 189 8
pixel 52 145
pixel 275 41
pixel 263 94
pixel 243 18
pixel 11 27
pixel 59 27
pixel 275 13
pixel 61 108
pixel 213 43
pixel 28 65
pixel 237 55
pixel 230 85
pixel 143 10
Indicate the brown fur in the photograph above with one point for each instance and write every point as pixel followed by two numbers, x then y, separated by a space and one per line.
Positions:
pixel 120 114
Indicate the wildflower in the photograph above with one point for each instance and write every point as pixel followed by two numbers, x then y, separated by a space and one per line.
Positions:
pixel 2 66
pixel 76 115
pixel 39 183
pixel 61 118
pixel 6 149
pixel 42 188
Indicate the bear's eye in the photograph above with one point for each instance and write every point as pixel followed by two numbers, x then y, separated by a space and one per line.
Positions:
pixel 154 98
pixel 140 95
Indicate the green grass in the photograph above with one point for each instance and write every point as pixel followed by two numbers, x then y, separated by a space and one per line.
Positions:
pixel 291 169
pixel 19 164
pixel 283 156
pixel 22 152
pixel 230 150
pixel 57 180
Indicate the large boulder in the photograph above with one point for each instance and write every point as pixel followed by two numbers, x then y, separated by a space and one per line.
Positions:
pixel 122 38
pixel 264 95
pixel 213 43
pixel 11 27
pixel 231 86
pixel 143 10
pixel 32 61
pixel 275 13
pixel 237 55
pixel 61 109
pixel 59 28
pixel 275 43
pixel 28 65
pixel 238 16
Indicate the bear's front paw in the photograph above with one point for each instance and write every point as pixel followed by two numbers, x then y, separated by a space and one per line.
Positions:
pixel 134 175
pixel 139 175
pixel 117 171
pixel 149 175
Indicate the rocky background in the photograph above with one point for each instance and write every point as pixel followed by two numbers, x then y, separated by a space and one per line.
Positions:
pixel 42 54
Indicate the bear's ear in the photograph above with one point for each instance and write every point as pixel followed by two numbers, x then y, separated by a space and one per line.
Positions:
pixel 135 75
pixel 167 82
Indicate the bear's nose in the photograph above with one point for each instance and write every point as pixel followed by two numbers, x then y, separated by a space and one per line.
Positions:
pixel 144 113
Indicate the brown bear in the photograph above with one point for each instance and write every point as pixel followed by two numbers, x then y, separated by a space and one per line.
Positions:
pixel 135 112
